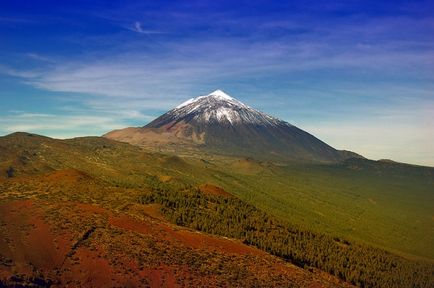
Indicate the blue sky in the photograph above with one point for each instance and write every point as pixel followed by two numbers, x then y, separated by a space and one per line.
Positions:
pixel 357 74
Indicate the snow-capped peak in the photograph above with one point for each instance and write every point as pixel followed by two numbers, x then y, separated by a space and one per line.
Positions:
pixel 220 107
pixel 217 94
pixel 220 93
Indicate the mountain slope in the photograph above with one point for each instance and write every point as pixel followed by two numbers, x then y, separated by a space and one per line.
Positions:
pixel 219 123
pixel 99 191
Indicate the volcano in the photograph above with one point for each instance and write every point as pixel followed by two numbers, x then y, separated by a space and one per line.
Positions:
pixel 219 123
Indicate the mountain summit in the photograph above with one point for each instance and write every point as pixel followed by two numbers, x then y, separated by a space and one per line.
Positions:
pixel 215 108
pixel 219 123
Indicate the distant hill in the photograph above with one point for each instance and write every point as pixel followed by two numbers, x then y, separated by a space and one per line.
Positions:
pixel 218 123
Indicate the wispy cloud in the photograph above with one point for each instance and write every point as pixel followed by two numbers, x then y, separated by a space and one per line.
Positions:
pixel 38 57
pixel 25 74
pixel 137 27
pixel 141 68
pixel 137 75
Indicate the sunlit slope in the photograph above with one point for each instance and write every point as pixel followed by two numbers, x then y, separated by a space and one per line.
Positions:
pixel 386 204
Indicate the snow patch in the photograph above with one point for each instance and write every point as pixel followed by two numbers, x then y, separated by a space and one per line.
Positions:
pixel 221 94
pixel 189 101
pixel 218 94
pixel 225 113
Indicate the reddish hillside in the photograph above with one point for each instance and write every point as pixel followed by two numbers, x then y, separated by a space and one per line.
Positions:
pixel 214 190
pixel 55 243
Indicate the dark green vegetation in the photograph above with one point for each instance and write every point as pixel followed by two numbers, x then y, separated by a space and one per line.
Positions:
pixel 359 264
pixel 387 205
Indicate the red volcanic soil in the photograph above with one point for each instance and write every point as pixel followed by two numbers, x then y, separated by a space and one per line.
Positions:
pixel 198 240
pixel 88 208
pixel 28 241
pixel 152 210
pixel 128 223
pixel 70 244
pixel 89 270
pixel 191 239
pixel 162 276
pixel 66 175
pixel 214 190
